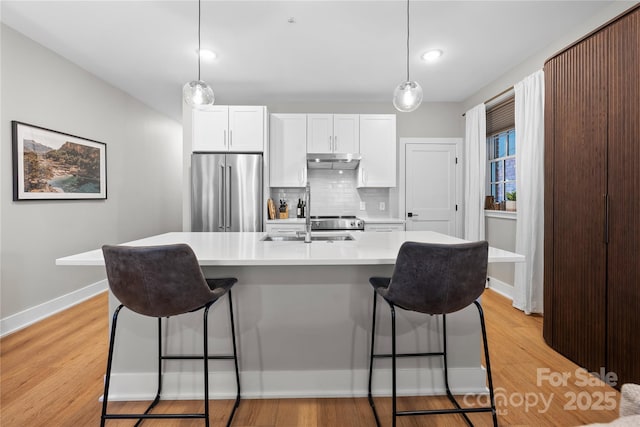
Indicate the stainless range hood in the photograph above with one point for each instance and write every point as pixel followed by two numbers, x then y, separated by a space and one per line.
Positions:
pixel 344 161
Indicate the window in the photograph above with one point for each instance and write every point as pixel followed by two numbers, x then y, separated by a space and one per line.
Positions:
pixel 501 152
pixel 501 148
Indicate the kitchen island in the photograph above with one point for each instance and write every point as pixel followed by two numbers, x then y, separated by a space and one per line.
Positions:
pixel 303 316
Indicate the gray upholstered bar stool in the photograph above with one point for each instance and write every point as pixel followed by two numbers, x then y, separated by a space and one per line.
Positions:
pixel 164 281
pixel 434 279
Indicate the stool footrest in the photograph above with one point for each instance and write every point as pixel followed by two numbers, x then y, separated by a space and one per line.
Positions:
pixel 145 416
pixel 189 357
pixel 443 411
pixel 382 355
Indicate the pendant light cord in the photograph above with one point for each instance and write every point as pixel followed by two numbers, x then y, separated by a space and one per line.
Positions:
pixel 199 40
pixel 408 40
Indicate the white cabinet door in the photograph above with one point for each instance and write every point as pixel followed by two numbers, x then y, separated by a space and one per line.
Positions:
pixel 209 129
pixel 346 133
pixel 333 133
pixel 229 128
pixel 319 133
pixel 431 207
pixel 288 150
pixel 246 128
pixel 378 150
pixel 380 227
pixel 279 228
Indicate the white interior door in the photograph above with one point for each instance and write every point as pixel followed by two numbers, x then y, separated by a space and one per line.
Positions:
pixel 430 191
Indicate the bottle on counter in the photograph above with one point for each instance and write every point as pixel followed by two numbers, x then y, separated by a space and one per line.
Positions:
pixel 299 209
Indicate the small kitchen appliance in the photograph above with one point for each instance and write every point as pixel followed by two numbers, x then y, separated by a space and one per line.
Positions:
pixel 336 223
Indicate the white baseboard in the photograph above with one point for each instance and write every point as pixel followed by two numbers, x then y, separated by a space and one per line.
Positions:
pixel 501 287
pixel 295 384
pixel 32 315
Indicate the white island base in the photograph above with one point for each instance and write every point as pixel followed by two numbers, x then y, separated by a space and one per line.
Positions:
pixel 303 327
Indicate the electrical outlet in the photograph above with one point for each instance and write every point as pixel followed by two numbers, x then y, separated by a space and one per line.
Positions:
pixel 382 206
pixel 363 206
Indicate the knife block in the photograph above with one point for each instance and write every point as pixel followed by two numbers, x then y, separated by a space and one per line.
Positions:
pixel 285 214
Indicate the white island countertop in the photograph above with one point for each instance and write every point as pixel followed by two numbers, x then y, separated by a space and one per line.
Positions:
pixel 248 249
pixel 303 321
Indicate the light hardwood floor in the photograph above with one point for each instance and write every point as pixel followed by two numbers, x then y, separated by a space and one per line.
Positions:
pixel 51 375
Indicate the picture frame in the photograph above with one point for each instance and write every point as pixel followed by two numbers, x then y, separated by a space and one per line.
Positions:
pixel 52 165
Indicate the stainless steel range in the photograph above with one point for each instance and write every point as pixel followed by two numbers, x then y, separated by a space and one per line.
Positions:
pixel 336 223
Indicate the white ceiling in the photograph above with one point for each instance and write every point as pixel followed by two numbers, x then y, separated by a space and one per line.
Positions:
pixel 336 51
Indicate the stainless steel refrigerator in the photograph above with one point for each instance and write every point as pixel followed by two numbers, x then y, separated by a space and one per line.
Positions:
pixel 226 192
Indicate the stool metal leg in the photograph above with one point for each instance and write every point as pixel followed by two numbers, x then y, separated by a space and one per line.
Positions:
pixel 235 361
pixel 393 365
pixel 107 380
pixel 373 335
pixel 446 370
pixel 157 398
pixel 394 355
pixel 488 362
pixel 205 357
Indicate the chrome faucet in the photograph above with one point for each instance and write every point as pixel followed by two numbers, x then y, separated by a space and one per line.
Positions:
pixel 307 213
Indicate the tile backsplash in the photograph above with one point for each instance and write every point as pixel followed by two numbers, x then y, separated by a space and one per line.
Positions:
pixel 334 192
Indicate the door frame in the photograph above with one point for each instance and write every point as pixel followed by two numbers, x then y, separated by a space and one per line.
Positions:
pixel 402 148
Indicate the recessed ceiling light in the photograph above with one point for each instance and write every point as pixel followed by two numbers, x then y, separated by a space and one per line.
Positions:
pixel 207 55
pixel 431 55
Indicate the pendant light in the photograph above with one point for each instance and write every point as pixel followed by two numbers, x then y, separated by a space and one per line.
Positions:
pixel 197 93
pixel 408 95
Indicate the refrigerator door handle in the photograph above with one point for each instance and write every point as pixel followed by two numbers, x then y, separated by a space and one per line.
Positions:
pixel 220 200
pixel 228 198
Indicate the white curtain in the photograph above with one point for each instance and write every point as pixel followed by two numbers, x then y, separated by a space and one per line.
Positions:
pixel 475 155
pixel 529 118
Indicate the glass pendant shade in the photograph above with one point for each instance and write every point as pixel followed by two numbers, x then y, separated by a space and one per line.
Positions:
pixel 407 97
pixel 197 94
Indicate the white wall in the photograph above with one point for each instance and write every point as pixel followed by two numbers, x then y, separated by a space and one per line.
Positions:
pixel 536 61
pixel 501 233
pixel 144 167
pixel 432 119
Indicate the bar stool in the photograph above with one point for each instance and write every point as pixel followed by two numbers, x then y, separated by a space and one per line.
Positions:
pixel 164 281
pixel 433 279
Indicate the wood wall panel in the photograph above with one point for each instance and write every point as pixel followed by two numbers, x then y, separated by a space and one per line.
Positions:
pixel 549 142
pixel 592 150
pixel 623 282
pixel 579 185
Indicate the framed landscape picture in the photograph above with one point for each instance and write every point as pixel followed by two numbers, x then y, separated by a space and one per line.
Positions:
pixel 50 165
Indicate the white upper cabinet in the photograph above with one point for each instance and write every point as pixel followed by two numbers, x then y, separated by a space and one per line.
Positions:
pixel 288 150
pixel 246 128
pixel 333 133
pixel 210 129
pixel 346 133
pixel 319 133
pixel 229 128
pixel 378 150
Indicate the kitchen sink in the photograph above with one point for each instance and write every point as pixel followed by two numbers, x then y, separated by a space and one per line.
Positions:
pixel 300 238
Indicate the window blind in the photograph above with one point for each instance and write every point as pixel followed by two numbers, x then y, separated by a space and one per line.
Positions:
pixel 501 116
